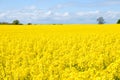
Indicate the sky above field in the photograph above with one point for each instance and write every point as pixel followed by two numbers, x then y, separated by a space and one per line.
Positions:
pixel 59 11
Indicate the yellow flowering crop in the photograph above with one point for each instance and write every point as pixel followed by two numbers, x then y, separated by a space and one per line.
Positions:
pixel 60 52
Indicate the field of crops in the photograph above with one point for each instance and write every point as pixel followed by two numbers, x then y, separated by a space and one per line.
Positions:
pixel 60 52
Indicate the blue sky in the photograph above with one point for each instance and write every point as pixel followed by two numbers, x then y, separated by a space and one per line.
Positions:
pixel 59 11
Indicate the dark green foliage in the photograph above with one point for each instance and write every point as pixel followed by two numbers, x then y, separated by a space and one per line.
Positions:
pixel 16 22
pixel 100 20
pixel 4 23
pixel 29 23
pixel 118 22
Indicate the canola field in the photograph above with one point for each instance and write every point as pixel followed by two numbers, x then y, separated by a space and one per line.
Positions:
pixel 60 52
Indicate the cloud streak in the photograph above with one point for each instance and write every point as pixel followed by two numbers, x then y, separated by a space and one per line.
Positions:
pixel 34 15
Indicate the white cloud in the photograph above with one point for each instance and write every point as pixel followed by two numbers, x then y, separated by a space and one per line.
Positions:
pixel 88 13
pixel 109 16
pixel 31 7
pixel 48 13
pixel 61 16
pixel 35 15
pixel 66 14
pixel 2 15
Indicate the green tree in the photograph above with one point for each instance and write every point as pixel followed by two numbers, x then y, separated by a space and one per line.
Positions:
pixel 118 22
pixel 16 22
pixel 100 20
pixel 29 23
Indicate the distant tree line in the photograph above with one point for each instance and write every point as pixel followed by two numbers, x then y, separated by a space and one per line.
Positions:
pixel 4 23
pixel 100 20
pixel 15 22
